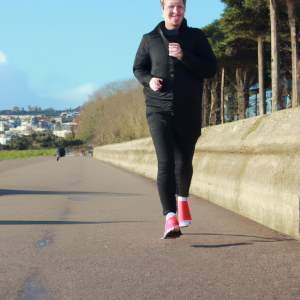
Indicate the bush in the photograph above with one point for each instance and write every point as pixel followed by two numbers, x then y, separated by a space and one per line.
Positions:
pixel 41 140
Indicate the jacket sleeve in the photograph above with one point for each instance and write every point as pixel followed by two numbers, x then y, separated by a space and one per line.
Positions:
pixel 205 64
pixel 142 63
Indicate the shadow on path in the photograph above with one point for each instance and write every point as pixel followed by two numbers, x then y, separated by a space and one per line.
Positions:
pixel 34 291
pixel 60 222
pixel 220 246
pixel 26 192
pixel 262 239
pixel 257 239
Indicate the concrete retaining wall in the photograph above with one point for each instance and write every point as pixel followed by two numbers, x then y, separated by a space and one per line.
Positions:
pixel 251 167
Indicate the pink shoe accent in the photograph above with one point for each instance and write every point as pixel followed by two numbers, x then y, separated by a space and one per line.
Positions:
pixel 171 225
pixel 184 214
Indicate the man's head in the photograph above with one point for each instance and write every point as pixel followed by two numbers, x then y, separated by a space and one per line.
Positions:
pixel 173 12
pixel 162 2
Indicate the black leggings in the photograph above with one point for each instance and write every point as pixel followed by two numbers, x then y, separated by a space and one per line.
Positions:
pixel 174 150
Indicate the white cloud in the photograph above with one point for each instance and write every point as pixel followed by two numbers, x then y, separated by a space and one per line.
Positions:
pixel 3 59
pixel 14 91
pixel 76 95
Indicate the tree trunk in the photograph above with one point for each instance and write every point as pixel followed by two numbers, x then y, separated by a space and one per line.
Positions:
pixel 222 96
pixel 298 89
pixel 206 102
pixel 294 42
pixel 214 101
pixel 284 91
pixel 275 56
pixel 255 109
pixel 240 84
pixel 226 107
pixel 261 75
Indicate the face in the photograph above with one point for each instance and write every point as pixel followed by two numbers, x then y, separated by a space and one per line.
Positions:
pixel 173 13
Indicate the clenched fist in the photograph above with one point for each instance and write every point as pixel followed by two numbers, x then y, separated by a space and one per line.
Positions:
pixel 155 84
pixel 175 50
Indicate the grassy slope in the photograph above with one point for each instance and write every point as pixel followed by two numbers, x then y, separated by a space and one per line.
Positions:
pixel 25 154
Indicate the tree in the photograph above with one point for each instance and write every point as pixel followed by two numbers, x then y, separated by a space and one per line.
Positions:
pixel 210 92
pixel 262 74
pixel 243 58
pixel 293 6
pixel 18 142
pixel 275 55
pixel 114 114
pixel 206 101
pixel 248 20
pixel 214 106
pixel 222 95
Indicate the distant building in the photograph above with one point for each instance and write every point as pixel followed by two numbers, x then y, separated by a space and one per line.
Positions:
pixel 61 133
pixel 40 130
pixel 3 138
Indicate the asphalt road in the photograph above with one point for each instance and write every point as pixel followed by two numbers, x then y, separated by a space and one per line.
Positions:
pixel 81 229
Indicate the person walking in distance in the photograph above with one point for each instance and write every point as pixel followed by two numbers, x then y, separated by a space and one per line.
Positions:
pixel 57 155
pixel 171 63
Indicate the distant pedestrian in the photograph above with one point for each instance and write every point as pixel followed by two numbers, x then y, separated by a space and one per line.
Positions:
pixel 57 155
pixel 171 63
pixel 61 152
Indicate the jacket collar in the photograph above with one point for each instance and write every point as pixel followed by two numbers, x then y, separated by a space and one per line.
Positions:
pixel 158 31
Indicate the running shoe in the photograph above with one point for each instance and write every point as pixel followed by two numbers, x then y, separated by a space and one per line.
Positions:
pixel 184 214
pixel 172 229
pixel 184 224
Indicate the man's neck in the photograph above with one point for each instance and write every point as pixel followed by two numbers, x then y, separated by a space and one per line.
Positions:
pixel 171 32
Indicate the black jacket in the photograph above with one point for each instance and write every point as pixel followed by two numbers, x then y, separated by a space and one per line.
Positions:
pixel 182 80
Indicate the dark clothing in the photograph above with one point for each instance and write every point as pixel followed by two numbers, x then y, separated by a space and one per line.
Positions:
pixel 171 35
pixel 172 32
pixel 172 144
pixel 174 112
pixel 62 152
pixel 182 80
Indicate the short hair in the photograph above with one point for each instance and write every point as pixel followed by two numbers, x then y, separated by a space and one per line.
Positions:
pixel 162 2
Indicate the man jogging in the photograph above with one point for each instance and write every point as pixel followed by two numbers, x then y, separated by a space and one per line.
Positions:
pixel 171 63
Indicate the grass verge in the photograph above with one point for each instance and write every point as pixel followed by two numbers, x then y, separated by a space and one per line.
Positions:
pixel 4 155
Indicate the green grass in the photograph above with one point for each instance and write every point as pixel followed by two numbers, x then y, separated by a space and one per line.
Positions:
pixel 4 155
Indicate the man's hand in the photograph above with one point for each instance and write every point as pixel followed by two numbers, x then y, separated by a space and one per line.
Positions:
pixel 175 50
pixel 155 84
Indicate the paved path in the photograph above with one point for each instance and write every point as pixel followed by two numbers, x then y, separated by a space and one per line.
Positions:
pixel 80 229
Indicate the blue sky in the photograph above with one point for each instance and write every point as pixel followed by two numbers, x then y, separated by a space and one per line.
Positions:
pixel 55 53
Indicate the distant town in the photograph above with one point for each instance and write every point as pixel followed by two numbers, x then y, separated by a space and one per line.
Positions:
pixel 21 122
